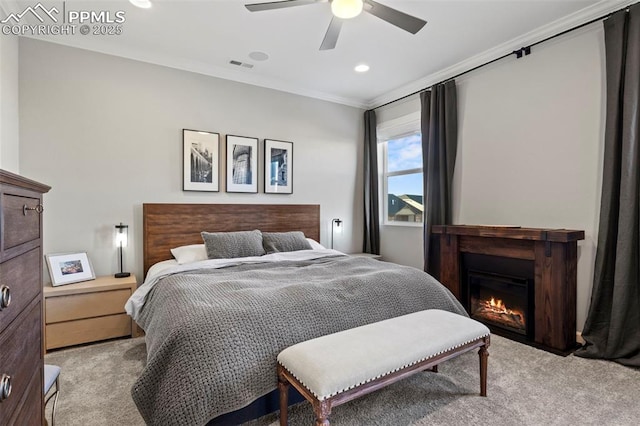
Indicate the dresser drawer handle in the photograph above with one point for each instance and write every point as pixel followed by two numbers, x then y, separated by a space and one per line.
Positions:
pixel 38 209
pixel 5 297
pixel 5 387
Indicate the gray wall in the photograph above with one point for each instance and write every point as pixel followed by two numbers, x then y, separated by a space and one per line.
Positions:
pixel 9 140
pixel 530 148
pixel 106 134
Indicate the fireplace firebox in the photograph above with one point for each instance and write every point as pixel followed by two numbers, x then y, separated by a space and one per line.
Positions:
pixel 500 293
pixel 501 301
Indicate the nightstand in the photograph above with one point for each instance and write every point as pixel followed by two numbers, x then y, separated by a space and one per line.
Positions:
pixel 372 256
pixel 88 311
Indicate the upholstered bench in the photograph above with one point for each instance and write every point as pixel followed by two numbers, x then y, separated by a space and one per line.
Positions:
pixel 336 368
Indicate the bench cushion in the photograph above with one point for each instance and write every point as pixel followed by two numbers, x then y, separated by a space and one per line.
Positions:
pixel 334 363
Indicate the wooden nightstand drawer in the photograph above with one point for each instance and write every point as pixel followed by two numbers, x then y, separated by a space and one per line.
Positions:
pixel 88 305
pixel 89 311
pixel 76 332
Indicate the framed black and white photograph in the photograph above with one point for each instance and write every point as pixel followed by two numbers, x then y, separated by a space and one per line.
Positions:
pixel 278 167
pixel 242 164
pixel 68 268
pixel 201 160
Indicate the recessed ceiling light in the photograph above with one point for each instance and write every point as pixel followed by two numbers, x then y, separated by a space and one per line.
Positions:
pixel 362 68
pixel 258 56
pixel 144 4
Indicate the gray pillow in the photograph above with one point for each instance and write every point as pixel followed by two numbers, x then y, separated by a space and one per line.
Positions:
pixel 275 242
pixel 227 245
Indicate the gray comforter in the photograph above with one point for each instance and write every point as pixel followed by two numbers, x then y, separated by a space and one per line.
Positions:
pixel 213 335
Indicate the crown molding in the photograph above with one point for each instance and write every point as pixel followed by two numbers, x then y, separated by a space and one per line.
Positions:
pixel 578 18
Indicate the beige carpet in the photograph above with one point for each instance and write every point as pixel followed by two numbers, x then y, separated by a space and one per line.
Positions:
pixel 526 386
pixel 95 383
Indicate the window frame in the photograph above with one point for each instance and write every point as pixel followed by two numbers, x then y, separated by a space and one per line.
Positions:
pixel 396 129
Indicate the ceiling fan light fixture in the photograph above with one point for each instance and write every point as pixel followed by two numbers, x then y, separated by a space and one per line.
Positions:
pixel 346 9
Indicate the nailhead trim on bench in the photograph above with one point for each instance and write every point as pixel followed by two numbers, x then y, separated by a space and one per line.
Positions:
pixel 319 398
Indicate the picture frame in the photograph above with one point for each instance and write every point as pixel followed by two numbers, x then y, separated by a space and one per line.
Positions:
pixel 201 161
pixel 242 164
pixel 278 167
pixel 69 268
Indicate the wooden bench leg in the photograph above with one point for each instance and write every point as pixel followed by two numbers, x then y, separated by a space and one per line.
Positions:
pixel 323 411
pixel 283 386
pixel 484 355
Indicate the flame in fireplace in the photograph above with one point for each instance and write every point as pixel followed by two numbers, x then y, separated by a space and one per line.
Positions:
pixel 495 310
pixel 498 306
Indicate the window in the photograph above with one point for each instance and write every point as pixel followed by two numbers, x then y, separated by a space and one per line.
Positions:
pixel 403 179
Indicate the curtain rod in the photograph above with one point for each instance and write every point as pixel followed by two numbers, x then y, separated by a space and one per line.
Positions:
pixel 515 52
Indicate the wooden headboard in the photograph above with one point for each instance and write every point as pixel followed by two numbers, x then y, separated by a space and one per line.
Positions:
pixel 166 226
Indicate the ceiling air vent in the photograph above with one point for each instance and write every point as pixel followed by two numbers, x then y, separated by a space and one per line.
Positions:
pixel 241 64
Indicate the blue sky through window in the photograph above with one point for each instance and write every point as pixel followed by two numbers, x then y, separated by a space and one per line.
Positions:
pixel 405 154
pixel 405 184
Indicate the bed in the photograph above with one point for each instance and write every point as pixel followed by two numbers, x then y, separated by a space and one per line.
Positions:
pixel 214 327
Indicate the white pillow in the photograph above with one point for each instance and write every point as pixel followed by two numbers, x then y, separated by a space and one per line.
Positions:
pixel 159 267
pixel 315 245
pixel 188 254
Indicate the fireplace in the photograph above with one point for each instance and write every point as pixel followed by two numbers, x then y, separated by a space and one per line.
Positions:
pixel 529 273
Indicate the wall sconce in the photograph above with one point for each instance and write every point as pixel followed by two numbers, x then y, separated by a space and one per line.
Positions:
pixel 336 228
pixel 122 240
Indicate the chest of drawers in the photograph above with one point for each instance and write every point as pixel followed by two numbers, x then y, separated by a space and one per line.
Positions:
pixel 21 357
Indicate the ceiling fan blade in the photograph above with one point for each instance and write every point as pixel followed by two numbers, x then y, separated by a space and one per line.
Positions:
pixel 399 19
pixel 331 36
pixel 258 7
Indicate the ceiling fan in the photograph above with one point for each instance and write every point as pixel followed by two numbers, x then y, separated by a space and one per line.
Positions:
pixel 346 9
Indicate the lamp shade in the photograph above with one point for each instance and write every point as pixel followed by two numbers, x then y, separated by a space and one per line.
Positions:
pixel 346 9
pixel 122 235
pixel 336 228
pixel 122 240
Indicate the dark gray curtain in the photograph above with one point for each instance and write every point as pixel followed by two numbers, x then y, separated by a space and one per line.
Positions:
pixel 439 124
pixel 371 242
pixel 612 329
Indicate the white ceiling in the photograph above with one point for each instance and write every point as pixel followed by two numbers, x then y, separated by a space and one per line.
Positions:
pixel 203 36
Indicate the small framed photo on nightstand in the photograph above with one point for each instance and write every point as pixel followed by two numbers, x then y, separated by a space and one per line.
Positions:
pixel 69 268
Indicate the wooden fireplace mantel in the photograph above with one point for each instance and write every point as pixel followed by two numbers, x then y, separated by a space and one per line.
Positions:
pixel 554 253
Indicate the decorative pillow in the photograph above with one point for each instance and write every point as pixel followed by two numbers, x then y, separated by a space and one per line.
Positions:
pixel 275 242
pixel 227 245
pixel 188 254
